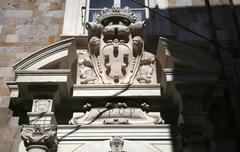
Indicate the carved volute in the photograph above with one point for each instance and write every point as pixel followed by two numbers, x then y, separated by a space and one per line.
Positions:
pixel 115 50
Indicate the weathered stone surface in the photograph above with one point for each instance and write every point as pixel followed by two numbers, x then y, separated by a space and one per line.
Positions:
pixel 5 146
pixel 13 49
pixel 1 29
pixel 4 101
pixel 56 6
pixel 9 135
pixel 25 32
pixel 5 115
pixel 12 38
pixel 53 13
pixel 21 55
pixel 44 6
pixel 18 13
pixel 24 28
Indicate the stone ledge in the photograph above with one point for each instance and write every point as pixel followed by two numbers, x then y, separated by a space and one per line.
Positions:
pixel 116 90
pixel 103 132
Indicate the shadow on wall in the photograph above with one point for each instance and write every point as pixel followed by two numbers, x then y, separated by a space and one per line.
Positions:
pixel 221 25
pixel 217 23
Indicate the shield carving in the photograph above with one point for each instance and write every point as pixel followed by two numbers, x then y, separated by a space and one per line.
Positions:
pixel 115 46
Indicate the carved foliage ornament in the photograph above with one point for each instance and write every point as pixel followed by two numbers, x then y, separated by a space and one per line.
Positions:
pixel 39 135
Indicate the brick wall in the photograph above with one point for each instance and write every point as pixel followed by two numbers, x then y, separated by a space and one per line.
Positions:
pixel 25 26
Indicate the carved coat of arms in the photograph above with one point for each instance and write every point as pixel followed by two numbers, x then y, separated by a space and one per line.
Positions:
pixel 116 50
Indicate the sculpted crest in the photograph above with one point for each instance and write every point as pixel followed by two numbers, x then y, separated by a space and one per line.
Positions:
pixel 116 50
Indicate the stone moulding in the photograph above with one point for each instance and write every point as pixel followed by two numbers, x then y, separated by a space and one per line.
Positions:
pixel 45 55
pixel 55 75
pixel 116 90
pixel 14 90
pixel 103 132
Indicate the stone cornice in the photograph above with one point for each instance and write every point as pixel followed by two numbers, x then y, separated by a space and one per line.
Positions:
pixel 117 90
pixel 56 75
pixel 102 132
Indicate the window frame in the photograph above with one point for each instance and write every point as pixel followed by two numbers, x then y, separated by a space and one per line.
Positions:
pixel 98 9
pixel 76 15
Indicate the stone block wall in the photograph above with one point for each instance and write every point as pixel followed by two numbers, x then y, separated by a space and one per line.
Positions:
pixel 25 26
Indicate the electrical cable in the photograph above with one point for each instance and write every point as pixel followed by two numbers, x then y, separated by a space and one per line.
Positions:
pixel 182 26
pixel 78 126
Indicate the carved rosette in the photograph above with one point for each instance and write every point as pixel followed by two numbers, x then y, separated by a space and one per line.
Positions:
pixel 116 45
pixel 39 135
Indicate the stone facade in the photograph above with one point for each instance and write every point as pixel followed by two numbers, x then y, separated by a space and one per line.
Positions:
pixel 25 26
pixel 28 25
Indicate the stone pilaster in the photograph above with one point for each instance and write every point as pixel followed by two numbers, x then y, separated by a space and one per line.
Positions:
pixel 42 112
pixel 40 134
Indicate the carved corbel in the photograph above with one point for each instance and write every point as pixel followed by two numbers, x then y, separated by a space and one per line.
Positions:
pixel 39 137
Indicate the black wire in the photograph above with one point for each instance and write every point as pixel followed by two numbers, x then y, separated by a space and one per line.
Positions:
pixel 182 26
pixel 78 126
pixel 99 114
pixel 38 117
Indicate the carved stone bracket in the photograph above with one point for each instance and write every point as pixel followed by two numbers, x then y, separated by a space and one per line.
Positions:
pixel 36 135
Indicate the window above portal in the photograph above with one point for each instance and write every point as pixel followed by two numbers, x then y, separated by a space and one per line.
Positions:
pixel 78 12
pixel 96 6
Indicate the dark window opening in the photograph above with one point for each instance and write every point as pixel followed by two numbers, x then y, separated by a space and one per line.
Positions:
pixel 97 5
